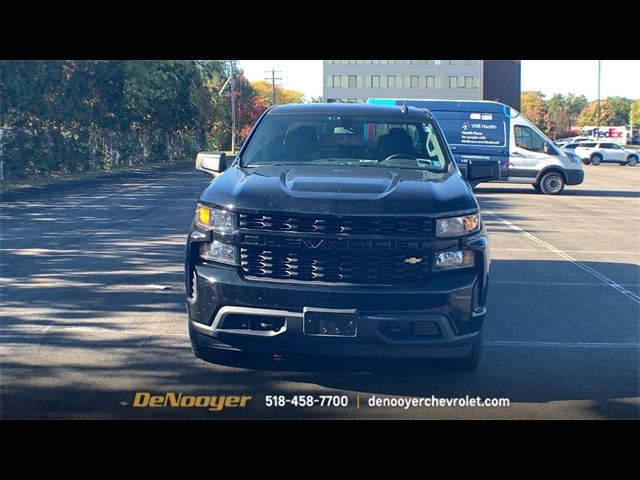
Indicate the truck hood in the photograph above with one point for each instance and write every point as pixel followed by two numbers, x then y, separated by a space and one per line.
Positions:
pixel 341 190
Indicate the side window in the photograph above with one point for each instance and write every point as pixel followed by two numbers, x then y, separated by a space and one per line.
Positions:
pixel 607 146
pixel 530 140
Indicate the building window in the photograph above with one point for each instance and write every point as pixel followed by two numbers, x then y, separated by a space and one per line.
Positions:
pixel 375 62
pixel 353 62
pixel 375 81
pixel 353 81
pixel 431 81
pixel 468 82
pixel 391 81
pixel 414 81
pixel 391 62
pixel 471 62
pixel 453 82
pixel 336 81
pixel 454 62
pixel 418 62
pixel 476 82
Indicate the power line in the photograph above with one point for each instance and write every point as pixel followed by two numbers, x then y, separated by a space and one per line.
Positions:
pixel 273 80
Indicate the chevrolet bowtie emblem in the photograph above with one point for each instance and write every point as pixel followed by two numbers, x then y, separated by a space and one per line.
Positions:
pixel 412 260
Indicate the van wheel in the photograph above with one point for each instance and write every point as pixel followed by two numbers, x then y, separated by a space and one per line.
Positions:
pixel 536 187
pixel 551 183
pixel 471 361
pixel 596 158
pixel 632 161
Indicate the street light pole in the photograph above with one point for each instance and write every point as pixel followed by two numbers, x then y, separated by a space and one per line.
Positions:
pixel 233 108
pixel 598 107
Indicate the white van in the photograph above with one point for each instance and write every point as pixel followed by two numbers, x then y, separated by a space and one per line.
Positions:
pixel 483 130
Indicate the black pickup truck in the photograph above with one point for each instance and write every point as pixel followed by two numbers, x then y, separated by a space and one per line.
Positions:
pixel 339 229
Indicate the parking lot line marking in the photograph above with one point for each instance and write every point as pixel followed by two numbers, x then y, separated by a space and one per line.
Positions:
pixel 566 251
pixel 560 253
pixel 507 343
pixel 562 284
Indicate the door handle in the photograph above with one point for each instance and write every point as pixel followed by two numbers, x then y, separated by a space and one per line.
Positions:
pixel 516 154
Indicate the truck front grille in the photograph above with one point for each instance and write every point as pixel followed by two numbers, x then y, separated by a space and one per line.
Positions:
pixel 356 267
pixel 406 227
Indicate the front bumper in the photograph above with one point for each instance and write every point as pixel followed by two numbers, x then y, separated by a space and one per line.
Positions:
pixel 574 177
pixel 452 305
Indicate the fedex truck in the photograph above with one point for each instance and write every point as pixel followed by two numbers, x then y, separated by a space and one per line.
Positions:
pixel 490 131
pixel 618 134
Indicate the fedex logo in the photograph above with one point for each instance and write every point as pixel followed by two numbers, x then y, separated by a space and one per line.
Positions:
pixel 612 133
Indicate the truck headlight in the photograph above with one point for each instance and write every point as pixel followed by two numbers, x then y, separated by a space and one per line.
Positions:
pixel 457 226
pixel 216 219
pixel 451 259
pixel 219 252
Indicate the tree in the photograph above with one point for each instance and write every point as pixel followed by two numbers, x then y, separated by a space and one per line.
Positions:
pixel 557 106
pixel 535 109
pixel 635 114
pixel 264 90
pixel 574 104
pixel 621 107
pixel 565 110
pixel 589 115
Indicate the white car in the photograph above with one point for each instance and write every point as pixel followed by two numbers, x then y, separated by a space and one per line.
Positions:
pixel 562 142
pixel 598 152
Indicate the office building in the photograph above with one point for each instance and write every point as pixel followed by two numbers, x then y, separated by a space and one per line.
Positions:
pixel 357 80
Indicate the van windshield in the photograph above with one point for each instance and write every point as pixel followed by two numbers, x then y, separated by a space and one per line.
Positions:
pixel 398 141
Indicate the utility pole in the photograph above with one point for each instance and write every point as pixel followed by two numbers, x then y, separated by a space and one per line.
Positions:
pixel 598 107
pixel 273 79
pixel 233 107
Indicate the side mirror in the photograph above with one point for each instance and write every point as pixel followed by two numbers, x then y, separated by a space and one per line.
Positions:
pixel 211 162
pixel 482 171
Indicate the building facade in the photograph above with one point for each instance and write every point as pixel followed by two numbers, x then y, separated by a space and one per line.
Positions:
pixel 357 80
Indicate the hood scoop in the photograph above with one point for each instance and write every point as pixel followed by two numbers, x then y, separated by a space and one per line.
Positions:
pixel 337 181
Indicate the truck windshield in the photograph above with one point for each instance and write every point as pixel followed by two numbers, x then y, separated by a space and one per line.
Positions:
pixel 398 141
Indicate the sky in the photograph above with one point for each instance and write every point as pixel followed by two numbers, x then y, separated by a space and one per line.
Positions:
pixel 619 77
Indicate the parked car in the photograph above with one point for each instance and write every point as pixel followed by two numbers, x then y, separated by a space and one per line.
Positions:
pixel 561 142
pixel 339 229
pixel 597 152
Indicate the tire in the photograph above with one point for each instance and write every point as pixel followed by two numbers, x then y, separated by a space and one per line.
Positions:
pixel 632 160
pixel 472 360
pixel 536 187
pixel 586 161
pixel 552 183
pixel 596 158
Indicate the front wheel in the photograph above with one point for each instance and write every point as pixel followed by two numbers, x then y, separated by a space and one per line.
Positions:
pixel 632 161
pixel 552 183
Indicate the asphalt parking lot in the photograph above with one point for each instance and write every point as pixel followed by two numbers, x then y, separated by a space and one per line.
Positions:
pixel 93 310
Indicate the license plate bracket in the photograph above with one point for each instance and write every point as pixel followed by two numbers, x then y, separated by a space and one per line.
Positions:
pixel 327 322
